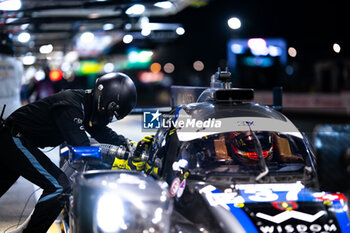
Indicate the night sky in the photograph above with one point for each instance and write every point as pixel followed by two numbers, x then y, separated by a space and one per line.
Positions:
pixel 311 27
pixel 308 24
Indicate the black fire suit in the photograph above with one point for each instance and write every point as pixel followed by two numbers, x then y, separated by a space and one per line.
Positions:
pixel 48 122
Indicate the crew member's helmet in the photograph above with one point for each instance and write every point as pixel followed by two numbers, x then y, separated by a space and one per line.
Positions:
pixel 6 44
pixel 113 94
pixel 245 148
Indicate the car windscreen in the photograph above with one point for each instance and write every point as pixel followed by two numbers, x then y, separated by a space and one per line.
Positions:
pixel 236 152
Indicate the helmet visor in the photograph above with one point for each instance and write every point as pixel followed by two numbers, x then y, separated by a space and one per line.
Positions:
pixel 118 116
pixel 114 109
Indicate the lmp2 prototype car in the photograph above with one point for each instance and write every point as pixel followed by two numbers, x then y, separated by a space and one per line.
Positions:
pixel 231 165
pixel 237 166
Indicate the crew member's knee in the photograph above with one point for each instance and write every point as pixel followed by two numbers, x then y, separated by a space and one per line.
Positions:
pixel 60 191
pixel 65 184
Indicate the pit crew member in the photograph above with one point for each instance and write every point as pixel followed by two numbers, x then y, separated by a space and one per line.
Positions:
pixel 65 116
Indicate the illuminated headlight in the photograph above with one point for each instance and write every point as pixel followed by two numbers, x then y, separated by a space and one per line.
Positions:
pixel 110 213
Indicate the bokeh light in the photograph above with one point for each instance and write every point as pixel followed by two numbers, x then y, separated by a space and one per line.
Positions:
pixel 234 23
pixel 155 67
pixel 56 75
pixel 169 68
pixel 198 65
pixel 180 31
pixel 23 37
pixel 292 52
pixel 336 48
pixel 127 39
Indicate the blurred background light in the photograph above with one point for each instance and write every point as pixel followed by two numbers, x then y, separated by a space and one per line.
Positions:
pixel 144 56
pixel 87 37
pixel 336 48
pixel 71 56
pixel 234 23
pixel 24 26
pixel 164 4
pixel 151 77
pixel 108 67
pixel 10 5
pixel 28 60
pixel 145 26
pixel 137 59
pixel 180 31
pixel 23 37
pixel 128 26
pixel 258 61
pixel 289 70
pixel 88 67
pixel 136 9
pixel 55 75
pixel 66 67
pixel 198 65
pixel 133 56
pixel 258 46
pixel 146 31
pixel 144 21
pixel 155 67
pixel 292 52
pixel 94 16
pixel 46 49
pixel 39 75
pixel 89 44
pixel 169 68
pixel 108 26
pixel 274 51
pixel 127 39
pixel 237 48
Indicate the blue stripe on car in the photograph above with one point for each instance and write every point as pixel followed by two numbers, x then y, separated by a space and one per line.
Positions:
pixel 342 216
pixel 40 169
pixel 243 219
pixel 241 216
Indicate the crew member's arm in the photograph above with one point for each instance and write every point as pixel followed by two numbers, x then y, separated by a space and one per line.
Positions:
pixel 69 121
pixel 104 134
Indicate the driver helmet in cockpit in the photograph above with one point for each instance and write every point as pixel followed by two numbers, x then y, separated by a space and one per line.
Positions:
pixel 244 146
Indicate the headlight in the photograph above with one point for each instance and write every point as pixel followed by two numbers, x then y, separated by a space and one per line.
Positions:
pixel 110 213
pixel 129 202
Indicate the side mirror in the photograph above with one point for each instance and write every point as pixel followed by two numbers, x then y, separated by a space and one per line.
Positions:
pixel 332 144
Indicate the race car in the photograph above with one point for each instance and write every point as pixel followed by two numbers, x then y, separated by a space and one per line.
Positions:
pixel 233 165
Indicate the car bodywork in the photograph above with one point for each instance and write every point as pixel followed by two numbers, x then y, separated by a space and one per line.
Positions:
pixel 219 188
pixel 233 165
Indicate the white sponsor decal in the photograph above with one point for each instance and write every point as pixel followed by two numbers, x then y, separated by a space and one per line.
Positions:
pixel 299 228
pixel 286 215
pixel 181 188
pixel 222 199
pixel 236 124
pixel 264 196
pixel 174 187
pixel 265 192
pixel 255 192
